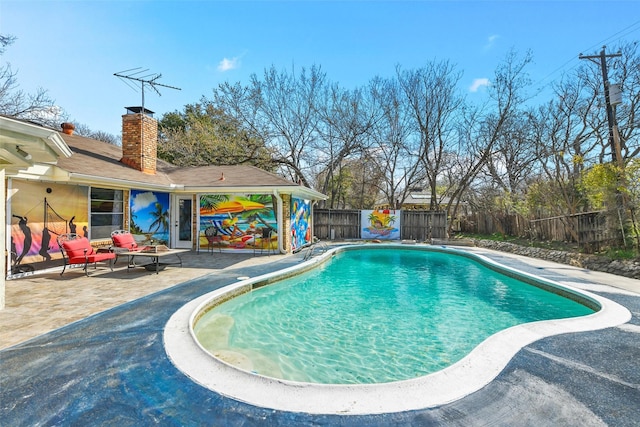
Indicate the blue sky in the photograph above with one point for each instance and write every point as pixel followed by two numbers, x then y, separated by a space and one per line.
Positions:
pixel 73 48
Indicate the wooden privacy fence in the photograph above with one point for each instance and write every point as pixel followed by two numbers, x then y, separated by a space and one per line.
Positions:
pixel 589 229
pixel 555 229
pixel 330 224
pixel 485 223
pixel 594 231
pixel 423 225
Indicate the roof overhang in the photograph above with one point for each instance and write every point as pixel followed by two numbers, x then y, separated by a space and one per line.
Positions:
pixel 295 190
pixel 22 145
pixel 98 181
pixel 29 151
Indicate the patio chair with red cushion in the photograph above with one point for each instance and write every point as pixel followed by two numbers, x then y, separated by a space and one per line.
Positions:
pixel 122 239
pixel 77 249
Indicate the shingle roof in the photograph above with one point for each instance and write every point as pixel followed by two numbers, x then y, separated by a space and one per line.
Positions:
pixel 234 176
pixel 100 160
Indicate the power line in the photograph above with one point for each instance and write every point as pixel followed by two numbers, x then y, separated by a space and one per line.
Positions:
pixel 618 35
pixel 605 41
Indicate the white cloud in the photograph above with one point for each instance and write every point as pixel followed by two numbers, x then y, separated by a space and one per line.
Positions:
pixel 142 200
pixel 491 41
pixel 478 83
pixel 229 64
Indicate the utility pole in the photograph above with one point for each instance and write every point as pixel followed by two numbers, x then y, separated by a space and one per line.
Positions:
pixel 614 136
pixel 614 141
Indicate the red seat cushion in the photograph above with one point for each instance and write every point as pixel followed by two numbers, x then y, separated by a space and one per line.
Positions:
pixel 76 250
pixel 101 256
pixel 124 240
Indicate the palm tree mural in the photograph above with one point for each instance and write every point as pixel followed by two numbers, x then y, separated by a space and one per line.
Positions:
pixel 255 214
pixel 374 220
pixel 211 201
pixel 381 219
pixel 160 219
pixel 134 228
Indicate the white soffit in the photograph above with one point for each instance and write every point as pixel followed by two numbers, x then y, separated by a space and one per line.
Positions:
pixel 24 144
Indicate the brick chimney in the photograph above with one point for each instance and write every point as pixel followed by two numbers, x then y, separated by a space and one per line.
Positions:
pixel 140 139
pixel 68 128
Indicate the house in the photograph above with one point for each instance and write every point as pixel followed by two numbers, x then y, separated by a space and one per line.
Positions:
pixel 418 199
pixel 22 145
pixel 60 183
pixel 415 199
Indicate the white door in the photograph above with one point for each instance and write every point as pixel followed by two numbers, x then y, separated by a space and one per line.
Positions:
pixel 183 226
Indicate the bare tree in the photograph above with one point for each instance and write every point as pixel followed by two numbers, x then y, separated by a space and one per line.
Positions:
pixel 391 149
pixel 280 109
pixel 572 130
pixel 514 155
pixel 434 102
pixel 84 130
pixel 481 129
pixel 345 122
pixel 14 102
pixel 565 141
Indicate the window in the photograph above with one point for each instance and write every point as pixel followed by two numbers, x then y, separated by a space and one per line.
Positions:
pixel 107 212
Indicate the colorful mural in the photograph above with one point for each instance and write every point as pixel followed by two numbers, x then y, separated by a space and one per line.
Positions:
pixel 39 213
pixel 301 233
pixel 380 224
pixel 233 221
pixel 149 217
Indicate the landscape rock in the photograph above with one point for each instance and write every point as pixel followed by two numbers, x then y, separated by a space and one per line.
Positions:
pixel 626 268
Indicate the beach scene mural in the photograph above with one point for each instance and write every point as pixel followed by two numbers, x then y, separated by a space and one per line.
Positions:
pixel 149 221
pixel 237 222
pixel 381 224
pixel 301 233
pixel 39 214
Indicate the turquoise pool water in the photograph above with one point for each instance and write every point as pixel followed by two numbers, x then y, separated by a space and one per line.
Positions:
pixel 373 316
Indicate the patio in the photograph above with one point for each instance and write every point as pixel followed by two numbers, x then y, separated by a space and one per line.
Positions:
pixel 88 351
pixel 44 302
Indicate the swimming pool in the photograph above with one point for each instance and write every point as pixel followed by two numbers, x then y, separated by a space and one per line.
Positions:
pixel 374 315
pixel 468 374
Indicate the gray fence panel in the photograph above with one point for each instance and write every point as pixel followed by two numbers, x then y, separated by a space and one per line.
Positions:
pixel 423 225
pixel 330 224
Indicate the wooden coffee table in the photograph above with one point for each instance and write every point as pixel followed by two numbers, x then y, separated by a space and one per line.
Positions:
pixel 155 254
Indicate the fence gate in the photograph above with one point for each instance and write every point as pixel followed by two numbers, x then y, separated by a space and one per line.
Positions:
pixel 330 224
pixel 423 225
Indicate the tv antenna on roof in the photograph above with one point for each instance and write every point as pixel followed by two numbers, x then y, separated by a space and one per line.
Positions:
pixel 137 74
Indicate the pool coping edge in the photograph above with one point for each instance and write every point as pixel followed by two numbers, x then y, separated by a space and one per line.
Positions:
pixel 466 376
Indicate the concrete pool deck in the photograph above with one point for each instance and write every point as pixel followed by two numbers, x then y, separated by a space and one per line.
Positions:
pixel 111 367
